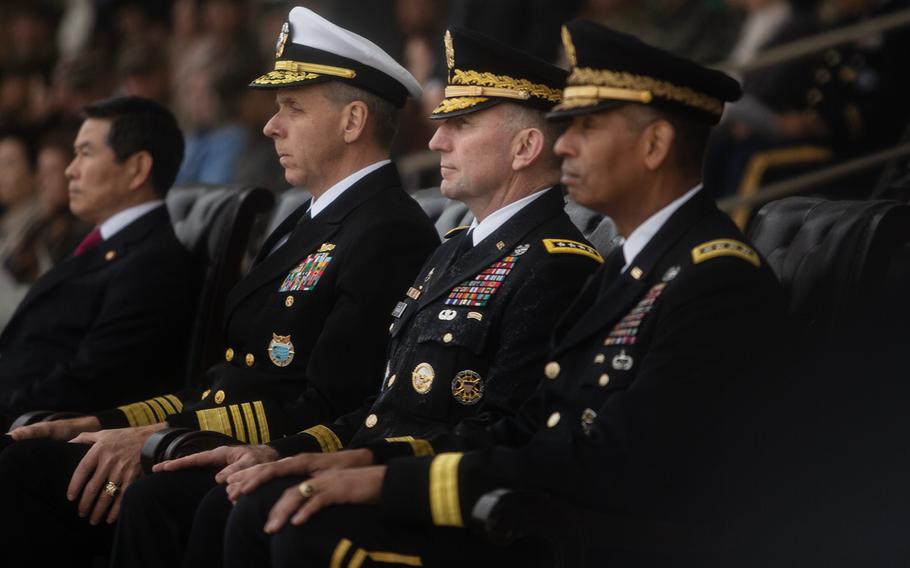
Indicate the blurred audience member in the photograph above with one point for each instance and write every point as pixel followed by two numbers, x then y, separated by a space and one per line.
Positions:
pixel 144 71
pixel 21 210
pixel 57 232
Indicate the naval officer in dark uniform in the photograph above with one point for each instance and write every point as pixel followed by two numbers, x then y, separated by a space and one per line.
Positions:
pixel 305 328
pixel 91 333
pixel 635 364
pixel 471 331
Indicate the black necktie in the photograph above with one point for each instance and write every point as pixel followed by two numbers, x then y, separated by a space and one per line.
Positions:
pixel 465 244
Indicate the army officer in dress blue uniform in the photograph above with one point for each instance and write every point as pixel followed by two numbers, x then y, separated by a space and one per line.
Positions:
pixel 471 331
pixel 635 363
pixel 305 328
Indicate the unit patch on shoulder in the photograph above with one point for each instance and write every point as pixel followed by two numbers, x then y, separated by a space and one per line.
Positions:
pixel 725 247
pixel 565 246
pixel 455 231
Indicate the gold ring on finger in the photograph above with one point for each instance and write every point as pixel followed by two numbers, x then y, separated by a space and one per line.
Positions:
pixel 111 488
pixel 306 489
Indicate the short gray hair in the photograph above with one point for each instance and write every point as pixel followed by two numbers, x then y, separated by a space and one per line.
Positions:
pixel 519 117
pixel 383 114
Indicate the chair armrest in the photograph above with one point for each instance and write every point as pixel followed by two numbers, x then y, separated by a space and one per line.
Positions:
pixel 505 516
pixel 35 416
pixel 173 443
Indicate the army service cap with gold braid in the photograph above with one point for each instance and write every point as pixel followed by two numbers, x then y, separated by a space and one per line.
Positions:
pixel 484 72
pixel 311 49
pixel 610 68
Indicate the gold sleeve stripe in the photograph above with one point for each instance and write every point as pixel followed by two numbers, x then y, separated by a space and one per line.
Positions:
pixel 215 419
pixel 237 419
pixel 263 423
pixel 176 402
pixel 133 414
pixel 341 550
pixel 328 440
pixel 250 422
pixel 155 405
pixel 565 246
pixel 166 404
pixel 395 558
pixel 725 247
pixel 357 558
pixel 444 505
pixel 420 447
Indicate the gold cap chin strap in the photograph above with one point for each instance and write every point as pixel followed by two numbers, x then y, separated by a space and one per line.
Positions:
pixel 607 93
pixel 476 91
pixel 300 67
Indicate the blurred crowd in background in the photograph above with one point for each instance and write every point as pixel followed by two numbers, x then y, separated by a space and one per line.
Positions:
pixel 197 56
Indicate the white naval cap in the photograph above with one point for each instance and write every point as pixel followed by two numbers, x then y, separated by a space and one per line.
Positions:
pixel 311 49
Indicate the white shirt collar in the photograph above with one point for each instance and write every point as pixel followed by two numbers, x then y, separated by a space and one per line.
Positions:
pixel 336 190
pixel 119 221
pixel 642 235
pixel 495 220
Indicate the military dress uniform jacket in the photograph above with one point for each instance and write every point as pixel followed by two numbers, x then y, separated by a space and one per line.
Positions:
pixel 102 328
pixel 467 338
pixel 636 368
pixel 306 328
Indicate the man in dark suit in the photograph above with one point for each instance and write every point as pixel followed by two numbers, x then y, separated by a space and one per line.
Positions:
pixel 90 333
pixel 305 328
pixel 473 327
pixel 637 364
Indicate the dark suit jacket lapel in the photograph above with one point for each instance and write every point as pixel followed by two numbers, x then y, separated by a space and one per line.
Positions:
pixel 487 252
pixel 281 230
pixel 616 298
pixel 96 258
pixel 307 235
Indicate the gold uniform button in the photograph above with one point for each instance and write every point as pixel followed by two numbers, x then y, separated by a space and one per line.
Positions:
pixel 229 355
pixel 392 380
pixel 289 301
pixel 250 359
pixel 371 420
pixel 599 358
pixel 219 397
pixel 551 370
pixel 553 420
pixel 604 380
pixel 447 338
pixel 110 255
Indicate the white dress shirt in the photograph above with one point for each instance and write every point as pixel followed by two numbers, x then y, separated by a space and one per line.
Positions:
pixel 643 234
pixel 118 221
pixel 495 220
pixel 334 192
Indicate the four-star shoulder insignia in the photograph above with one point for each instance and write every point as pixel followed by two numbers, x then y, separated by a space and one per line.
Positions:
pixel 725 247
pixel 455 231
pixel 565 246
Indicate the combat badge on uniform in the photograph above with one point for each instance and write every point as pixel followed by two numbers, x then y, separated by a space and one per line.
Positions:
pixel 306 275
pixel 467 387
pixel 281 350
pixel 478 291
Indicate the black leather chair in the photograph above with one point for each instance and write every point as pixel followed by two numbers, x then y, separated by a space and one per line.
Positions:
pixel 830 256
pixel 214 224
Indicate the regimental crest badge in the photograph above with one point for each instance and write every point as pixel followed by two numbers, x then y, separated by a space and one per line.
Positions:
pixel 283 36
pixel 450 51
pixel 467 387
pixel 281 350
pixel 306 275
